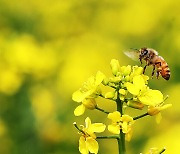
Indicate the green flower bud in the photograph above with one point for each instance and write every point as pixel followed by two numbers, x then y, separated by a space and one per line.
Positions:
pixel 105 81
pixel 114 66
pixel 122 98
pixel 90 103
pixel 122 91
pixel 110 94
pixel 136 105
pixel 127 78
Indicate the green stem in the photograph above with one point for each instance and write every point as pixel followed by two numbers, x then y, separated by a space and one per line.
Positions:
pixel 121 140
pixel 108 137
pixel 141 116
pixel 97 108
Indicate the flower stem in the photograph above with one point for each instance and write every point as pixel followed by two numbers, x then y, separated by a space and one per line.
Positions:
pixel 141 116
pixel 80 130
pixel 108 137
pixel 121 140
pixel 102 110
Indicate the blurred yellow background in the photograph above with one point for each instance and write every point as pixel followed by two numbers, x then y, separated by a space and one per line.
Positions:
pixel 49 48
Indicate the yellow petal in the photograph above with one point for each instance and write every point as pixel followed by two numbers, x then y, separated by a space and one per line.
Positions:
pixel 151 97
pixel 92 145
pixel 99 78
pixel 82 145
pixel 158 118
pixel 115 116
pixel 124 127
pixel 138 81
pixel 79 110
pixel 110 94
pixel 77 96
pixel 87 122
pixel 146 78
pixel 115 129
pixel 132 88
pixel 89 103
pixel 97 127
pixel 127 118
pixel 129 135
pixel 165 107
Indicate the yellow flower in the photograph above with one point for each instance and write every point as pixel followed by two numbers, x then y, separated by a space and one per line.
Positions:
pixel 87 142
pixel 141 91
pixel 156 110
pixel 123 122
pixel 87 93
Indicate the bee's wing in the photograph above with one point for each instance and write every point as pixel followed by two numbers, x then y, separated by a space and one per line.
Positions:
pixel 133 54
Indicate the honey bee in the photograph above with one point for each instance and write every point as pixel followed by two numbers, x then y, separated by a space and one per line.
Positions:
pixel 151 57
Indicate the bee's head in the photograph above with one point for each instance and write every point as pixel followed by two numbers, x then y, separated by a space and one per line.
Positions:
pixel 143 52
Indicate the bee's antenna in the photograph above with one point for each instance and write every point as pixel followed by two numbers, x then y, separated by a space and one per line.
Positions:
pixel 134 49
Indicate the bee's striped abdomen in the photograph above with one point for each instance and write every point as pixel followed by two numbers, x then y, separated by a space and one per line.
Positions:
pixel 165 72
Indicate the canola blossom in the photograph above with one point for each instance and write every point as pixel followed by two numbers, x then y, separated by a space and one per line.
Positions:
pixel 87 93
pixel 87 141
pixel 123 122
pixel 128 88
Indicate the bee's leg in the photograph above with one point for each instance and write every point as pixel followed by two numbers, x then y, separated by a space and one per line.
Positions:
pixel 157 74
pixel 140 60
pixel 147 64
pixel 144 68
pixel 153 71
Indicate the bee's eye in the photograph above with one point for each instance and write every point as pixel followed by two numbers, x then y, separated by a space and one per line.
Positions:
pixel 145 52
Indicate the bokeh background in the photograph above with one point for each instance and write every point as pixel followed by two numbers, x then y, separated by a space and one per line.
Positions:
pixel 49 48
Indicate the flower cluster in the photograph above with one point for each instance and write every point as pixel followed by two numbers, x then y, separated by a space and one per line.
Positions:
pixel 128 88
pixel 119 122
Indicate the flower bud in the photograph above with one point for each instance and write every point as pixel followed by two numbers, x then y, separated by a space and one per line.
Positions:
pixel 110 94
pixel 114 66
pixel 105 81
pixel 137 70
pixel 126 70
pixel 122 98
pixel 115 79
pixel 122 91
pixel 90 103
pixel 136 105
pixel 127 78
